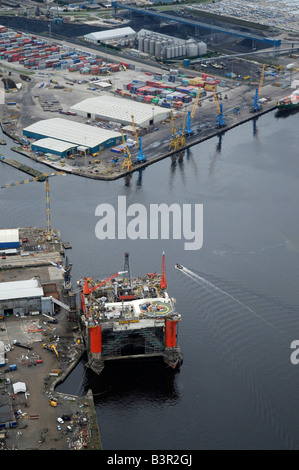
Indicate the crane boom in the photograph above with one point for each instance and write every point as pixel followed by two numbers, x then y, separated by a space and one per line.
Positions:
pixel 135 131
pixel 195 104
pixel 261 79
pixel 127 161
pixel 141 157
pixel 105 281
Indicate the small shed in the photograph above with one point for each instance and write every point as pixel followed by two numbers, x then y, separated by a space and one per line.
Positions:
pixel 9 238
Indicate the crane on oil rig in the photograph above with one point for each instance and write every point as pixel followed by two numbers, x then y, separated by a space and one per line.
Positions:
pixel 141 157
pixel 87 290
pixel 188 130
pixel 220 118
pixel 257 106
pixel 127 163
pixel 174 143
pixel 41 178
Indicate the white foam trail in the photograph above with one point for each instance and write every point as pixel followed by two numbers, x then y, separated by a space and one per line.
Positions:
pixel 207 284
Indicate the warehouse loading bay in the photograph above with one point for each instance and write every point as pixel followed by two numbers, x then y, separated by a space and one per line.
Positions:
pixel 46 94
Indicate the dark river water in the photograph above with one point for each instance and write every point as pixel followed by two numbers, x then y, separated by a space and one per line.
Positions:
pixel 237 387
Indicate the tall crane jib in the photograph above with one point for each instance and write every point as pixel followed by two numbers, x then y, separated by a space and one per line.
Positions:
pixel 140 157
pixel 127 163
pixel 257 106
pixel 43 177
pixel 174 143
pixel 191 114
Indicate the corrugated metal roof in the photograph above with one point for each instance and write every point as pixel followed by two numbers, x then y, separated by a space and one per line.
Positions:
pixel 9 235
pixel 72 132
pixel 20 289
pixel 120 109
pixel 54 144
pixel 110 34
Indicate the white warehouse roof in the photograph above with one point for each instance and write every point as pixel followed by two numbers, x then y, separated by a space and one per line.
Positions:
pixel 54 144
pixel 109 34
pixel 120 110
pixel 9 235
pixel 20 289
pixel 72 132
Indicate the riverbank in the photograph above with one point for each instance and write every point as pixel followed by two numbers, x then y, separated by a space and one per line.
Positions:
pixel 117 173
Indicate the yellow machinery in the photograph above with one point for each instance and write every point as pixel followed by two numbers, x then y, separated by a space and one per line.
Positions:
pixel 174 143
pixel 127 163
pixel 41 178
pixel 261 79
pixel 51 347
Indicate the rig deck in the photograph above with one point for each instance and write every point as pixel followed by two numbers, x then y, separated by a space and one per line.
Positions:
pixel 129 318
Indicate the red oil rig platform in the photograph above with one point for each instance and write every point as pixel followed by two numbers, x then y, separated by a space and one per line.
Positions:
pixel 127 318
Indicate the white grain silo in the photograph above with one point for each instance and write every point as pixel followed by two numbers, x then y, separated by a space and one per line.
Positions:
pixel 141 43
pixel 152 47
pixel 146 45
pixel 158 48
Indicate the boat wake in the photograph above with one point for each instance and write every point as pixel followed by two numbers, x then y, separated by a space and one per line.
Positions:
pixel 208 286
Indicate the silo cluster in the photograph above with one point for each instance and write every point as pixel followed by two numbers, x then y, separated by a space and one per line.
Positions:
pixel 167 47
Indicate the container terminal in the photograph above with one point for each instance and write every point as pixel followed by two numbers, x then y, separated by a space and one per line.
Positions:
pixel 124 317
pixel 101 116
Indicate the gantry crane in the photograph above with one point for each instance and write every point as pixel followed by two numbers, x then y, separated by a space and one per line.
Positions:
pixel 127 163
pixel 257 106
pixel 191 114
pixel 174 143
pixel 140 157
pixel 41 178
pixel 220 118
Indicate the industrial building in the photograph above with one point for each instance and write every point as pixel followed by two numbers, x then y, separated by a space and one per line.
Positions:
pixel 86 138
pixel 9 238
pixel 20 297
pixel 120 110
pixel 27 297
pixel 111 36
pixel 167 47
pixel 54 146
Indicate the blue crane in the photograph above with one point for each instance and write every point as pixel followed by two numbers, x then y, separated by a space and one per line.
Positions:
pixel 220 118
pixel 140 157
pixel 257 106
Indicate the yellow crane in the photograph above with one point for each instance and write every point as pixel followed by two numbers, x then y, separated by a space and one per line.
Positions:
pixel 257 106
pixel 141 157
pixel 261 79
pixel 191 114
pixel 40 178
pixel 174 143
pixel 127 163
pixel 220 118
pixel 181 137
